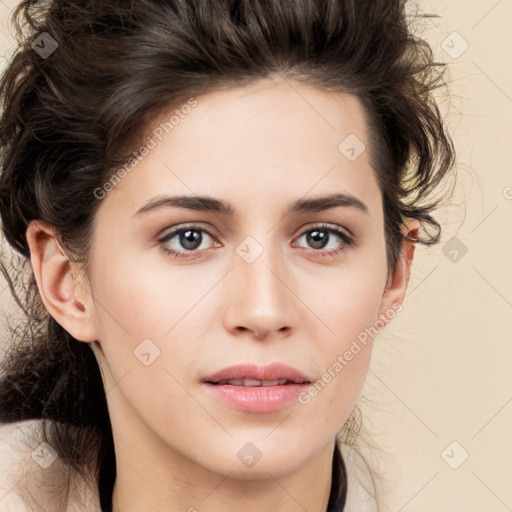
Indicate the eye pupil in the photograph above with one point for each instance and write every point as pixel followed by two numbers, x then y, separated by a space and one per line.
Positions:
pixel 316 237
pixel 190 239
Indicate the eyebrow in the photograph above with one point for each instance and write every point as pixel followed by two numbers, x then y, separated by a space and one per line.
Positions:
pixel 209 204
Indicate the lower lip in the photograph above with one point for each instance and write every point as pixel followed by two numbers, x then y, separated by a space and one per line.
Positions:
pixel 256 398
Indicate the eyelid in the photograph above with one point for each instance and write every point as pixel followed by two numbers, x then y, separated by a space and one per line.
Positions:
pixel 168 230
pixel 326 225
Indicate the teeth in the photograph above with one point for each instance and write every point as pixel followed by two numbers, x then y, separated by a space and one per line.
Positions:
pixel 233 382
pixel 253 382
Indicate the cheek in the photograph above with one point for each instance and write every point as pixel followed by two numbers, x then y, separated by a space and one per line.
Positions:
pixel 146 332
pixel 349 301
pixel 350 308
pixel 153 320
pixel 145 300
pixel 345 358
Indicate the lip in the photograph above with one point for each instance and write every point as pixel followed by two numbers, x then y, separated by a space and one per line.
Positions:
pixel 257 399
pixel 274 371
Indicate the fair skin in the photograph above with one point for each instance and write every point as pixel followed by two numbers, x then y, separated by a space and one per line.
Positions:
pixel 259 148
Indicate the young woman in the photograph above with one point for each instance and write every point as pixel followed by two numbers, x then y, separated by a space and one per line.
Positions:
pixel 215 204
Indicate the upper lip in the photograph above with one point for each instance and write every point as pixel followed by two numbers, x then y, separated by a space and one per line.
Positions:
pixel 274 371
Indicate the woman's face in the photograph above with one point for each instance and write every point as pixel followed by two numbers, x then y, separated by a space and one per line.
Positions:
pixel 260 281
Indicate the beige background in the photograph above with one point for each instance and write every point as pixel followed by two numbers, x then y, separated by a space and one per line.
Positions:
pixel 441 371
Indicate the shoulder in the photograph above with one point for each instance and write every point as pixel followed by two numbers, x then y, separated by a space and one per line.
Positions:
pixel 360 486
pixel 359 499
pixel 14 454
pixel 24 467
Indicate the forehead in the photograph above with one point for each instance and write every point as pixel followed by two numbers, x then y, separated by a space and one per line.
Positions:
pixel 275 140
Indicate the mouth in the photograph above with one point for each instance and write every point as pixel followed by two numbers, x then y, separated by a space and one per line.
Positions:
pixel 256 389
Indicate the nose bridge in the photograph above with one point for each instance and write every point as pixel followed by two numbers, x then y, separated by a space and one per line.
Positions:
pixel 261 300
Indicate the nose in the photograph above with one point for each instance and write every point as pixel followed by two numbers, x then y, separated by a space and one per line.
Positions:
pixel 261 300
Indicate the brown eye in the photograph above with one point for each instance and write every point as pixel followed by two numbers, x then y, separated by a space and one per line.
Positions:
pixel 320 237
pixel 185 240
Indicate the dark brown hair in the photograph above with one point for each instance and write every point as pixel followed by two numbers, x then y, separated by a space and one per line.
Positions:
pixel 72 116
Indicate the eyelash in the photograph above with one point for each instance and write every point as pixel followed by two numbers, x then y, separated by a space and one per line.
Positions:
pixel 347 241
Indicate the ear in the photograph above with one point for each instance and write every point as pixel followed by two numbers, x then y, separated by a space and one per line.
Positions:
pixel 396 286
pixel 64 292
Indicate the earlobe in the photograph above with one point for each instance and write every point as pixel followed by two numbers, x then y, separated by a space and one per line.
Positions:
pixel 63 294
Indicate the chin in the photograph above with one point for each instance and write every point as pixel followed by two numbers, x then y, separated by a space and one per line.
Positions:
pixel 278 463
